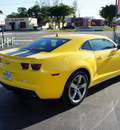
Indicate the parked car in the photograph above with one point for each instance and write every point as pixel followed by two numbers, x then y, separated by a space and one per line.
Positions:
pixel 50 27
pixel 68 27
pixel 60 67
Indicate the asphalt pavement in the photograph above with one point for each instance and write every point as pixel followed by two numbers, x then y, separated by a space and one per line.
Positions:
pixel 100 110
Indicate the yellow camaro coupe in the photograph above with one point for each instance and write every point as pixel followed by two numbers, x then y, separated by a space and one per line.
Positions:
pixel 63 66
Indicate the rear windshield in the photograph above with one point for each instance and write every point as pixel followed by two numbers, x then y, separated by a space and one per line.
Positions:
pixel 45 44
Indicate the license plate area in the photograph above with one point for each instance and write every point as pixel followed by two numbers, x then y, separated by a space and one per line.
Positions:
pixel 7 75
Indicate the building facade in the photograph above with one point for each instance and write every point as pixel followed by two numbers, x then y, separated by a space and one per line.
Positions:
pixel 20 23
pixel 97 22
pixel 85 22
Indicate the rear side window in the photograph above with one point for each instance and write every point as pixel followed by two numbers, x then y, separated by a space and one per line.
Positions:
pixel 86 46
pixel 45 44
pixel 101 44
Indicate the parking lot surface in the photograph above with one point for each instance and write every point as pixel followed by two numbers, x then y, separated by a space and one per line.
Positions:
pixel 100 110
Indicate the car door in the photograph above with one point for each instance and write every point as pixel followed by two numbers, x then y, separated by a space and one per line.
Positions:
pixel 107 56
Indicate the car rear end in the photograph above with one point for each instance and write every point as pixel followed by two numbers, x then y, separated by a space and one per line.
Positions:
pixel 18 71
pixel 31 74
pixel 34 68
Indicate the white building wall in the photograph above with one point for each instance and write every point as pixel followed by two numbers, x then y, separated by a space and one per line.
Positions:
pixel 31 22
pixel 28 22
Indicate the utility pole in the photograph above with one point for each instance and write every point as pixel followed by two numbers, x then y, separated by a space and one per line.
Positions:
pixel 2 23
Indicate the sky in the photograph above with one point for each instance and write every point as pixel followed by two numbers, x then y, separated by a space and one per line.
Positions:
pixel 87 8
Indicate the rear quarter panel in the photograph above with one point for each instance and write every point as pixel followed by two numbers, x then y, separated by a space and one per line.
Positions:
pixel 67 63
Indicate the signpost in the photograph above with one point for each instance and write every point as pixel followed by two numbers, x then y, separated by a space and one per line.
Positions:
pixel 114 24
pixel 2 24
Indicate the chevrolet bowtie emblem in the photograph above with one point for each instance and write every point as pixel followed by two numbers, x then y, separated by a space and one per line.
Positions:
pixel 7 62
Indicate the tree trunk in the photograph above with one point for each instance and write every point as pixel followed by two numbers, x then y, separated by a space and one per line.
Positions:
pixel 63 21
pixel 110 24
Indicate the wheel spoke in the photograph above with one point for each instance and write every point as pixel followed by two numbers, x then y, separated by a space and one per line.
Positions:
pixel 73 86
pixel 79 94
pixel 79 80
pixel 74 95
pixel 83 86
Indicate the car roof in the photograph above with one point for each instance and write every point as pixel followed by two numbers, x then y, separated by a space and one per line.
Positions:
pixel 76 41
pixel 73 36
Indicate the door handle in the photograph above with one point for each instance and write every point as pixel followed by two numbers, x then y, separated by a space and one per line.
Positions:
pixel 99 58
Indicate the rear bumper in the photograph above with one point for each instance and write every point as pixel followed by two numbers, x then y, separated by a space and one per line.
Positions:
pixel 46 87
pixel 19 90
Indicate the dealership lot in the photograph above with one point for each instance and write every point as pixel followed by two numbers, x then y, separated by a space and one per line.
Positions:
pixel 99 111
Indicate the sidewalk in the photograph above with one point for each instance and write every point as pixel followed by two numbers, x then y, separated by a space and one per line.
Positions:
pixel 16 45
pixel 96 28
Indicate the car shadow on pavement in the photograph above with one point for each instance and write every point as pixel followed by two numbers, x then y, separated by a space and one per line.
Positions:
pixel 19 111
pixel 102 85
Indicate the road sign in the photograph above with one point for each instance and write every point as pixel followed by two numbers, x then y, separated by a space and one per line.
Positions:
pixel 114 24
pixel 2 20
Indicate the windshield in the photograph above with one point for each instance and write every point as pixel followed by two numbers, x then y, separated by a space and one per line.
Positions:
pixel 45 44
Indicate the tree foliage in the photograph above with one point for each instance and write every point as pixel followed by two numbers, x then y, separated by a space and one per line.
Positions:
pixel 34 11
pixel 13 15
pixel 58 13
pixel 1 12
pixel 108 12
pixel 22 12
pixel 44 13
pixel 75 6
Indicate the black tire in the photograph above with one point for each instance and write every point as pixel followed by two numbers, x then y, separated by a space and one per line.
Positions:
pixel 75 89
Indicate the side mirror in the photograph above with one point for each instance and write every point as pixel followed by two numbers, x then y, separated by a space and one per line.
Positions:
pixel 118 46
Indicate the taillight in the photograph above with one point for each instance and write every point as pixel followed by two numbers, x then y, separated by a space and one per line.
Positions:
pixel 0 60
pixel 25 66
pixel 35 66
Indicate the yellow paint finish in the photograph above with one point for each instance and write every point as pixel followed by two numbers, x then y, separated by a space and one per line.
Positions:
pixel 64 60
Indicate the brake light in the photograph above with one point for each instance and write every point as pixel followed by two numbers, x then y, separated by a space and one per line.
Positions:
pixel 25 66
pixel 35 66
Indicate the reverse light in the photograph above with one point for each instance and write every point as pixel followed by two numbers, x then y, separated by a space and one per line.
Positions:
pixel 25 66
pixel 35 66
